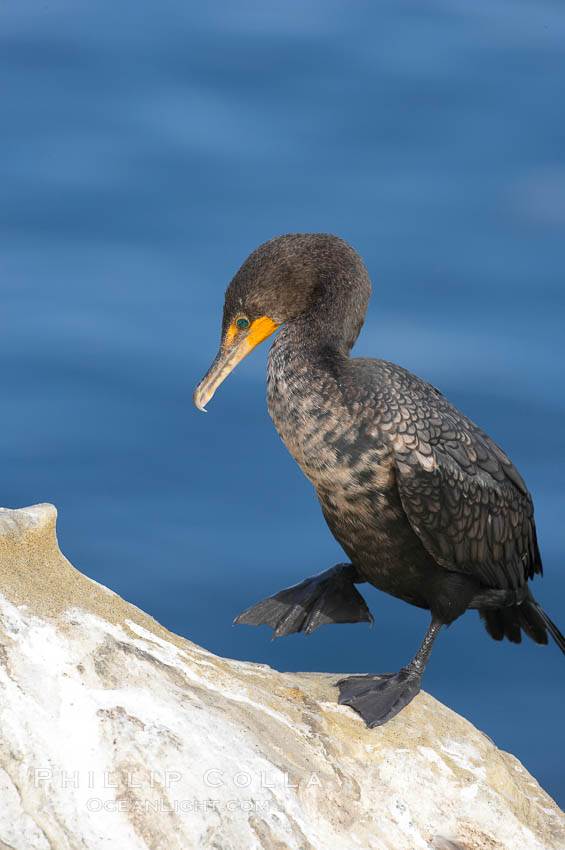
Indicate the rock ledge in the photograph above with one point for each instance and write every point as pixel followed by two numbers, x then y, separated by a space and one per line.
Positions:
pixel 118 734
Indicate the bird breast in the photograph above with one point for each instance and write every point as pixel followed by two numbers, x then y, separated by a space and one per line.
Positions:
pixel 340 451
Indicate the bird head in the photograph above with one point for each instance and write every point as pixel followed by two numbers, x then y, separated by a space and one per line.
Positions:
pixel 278 281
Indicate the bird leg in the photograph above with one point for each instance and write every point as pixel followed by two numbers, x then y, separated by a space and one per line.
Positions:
pixel 329 597
pixel 379 697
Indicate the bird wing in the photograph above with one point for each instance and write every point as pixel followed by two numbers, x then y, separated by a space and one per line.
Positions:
pixel 462 495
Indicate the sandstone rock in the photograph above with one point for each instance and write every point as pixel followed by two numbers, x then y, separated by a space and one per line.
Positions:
pixel 118 734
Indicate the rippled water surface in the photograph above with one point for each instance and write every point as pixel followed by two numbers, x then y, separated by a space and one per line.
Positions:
pixel 146 149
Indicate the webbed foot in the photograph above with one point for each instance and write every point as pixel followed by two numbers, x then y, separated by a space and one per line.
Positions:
pixel 379 697
pixel 330 597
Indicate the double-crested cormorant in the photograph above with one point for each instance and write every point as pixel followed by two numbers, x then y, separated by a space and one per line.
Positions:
pixel 426 506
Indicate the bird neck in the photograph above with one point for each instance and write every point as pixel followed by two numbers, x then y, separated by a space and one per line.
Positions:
pixel 336 313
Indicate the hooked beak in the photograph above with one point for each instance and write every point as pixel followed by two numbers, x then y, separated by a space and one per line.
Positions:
pixel 234 347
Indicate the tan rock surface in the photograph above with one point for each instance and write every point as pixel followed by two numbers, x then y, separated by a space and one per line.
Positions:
pixel 116 733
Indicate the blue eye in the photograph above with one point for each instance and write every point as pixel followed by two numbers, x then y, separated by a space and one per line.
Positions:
pixel 242 323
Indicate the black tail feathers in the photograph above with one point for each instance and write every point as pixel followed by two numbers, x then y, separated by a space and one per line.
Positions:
pixel 528 617
pixel 552 628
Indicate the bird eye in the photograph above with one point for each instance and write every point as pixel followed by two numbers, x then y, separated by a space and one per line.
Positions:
pixel 242 323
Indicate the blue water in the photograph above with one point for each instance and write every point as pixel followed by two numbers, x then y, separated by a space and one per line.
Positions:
pixel 146 149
